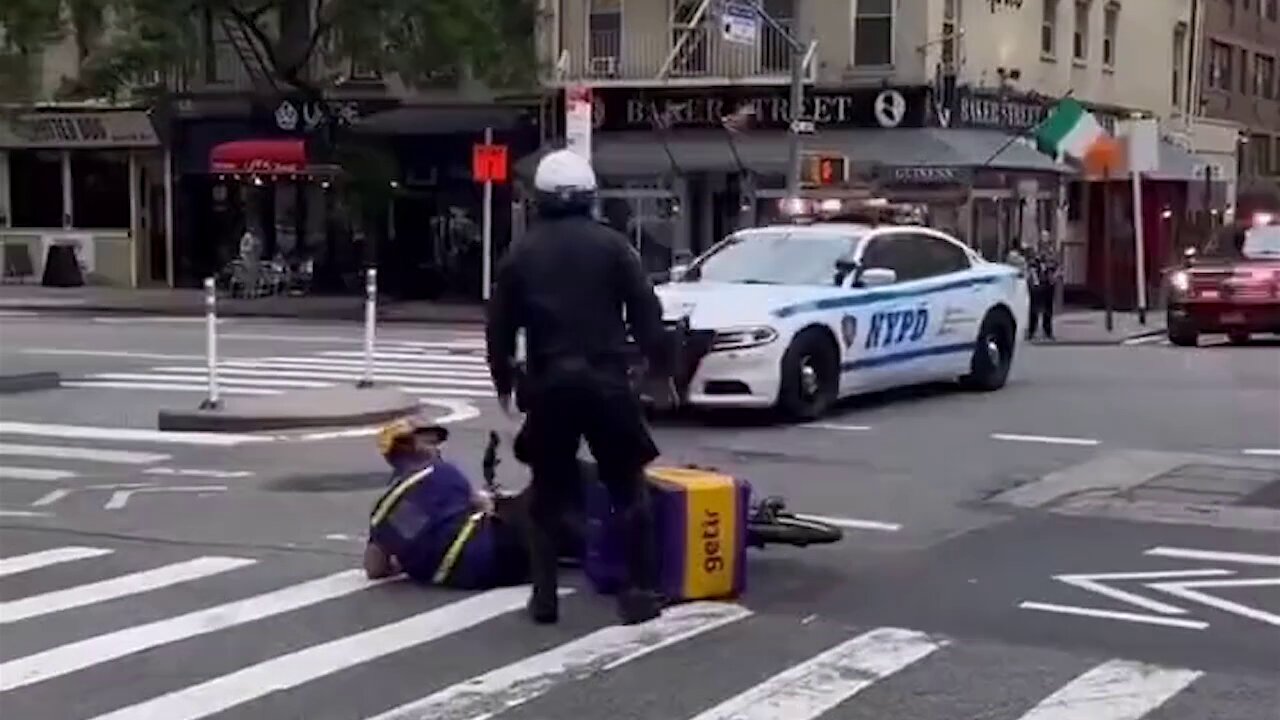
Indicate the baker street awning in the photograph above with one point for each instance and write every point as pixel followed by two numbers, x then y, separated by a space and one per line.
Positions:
pixel 645 153
pixel 78 129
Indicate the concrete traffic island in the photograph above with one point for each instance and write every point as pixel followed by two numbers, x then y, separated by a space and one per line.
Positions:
pixel 324 407
pixel 28 382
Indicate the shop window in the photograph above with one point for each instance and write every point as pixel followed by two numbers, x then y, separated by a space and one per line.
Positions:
pixel 1080 33
pixel 1179 55
pixel 1111 19
pixel 36 188
pixel 100 188
pixel 873 33
pixel 1244 72
pixel 1049 29
pixel 1220 55
pixel 1264 76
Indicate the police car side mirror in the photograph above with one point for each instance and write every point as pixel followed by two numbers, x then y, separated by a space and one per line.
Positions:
pixel 678 272
pixel 877 277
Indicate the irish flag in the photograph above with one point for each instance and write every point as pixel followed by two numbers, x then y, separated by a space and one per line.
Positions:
pixel 1073 132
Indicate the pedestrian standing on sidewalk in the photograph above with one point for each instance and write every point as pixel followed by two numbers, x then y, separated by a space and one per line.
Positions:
pixel 1042 285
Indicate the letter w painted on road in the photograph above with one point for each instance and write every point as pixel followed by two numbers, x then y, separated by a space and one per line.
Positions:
pixel 892 327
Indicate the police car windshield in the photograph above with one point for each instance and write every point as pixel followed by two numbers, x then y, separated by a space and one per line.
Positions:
pixel 775 258
pixel 1262 243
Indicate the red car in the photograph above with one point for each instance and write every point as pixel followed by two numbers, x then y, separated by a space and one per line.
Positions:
pixel 1232 286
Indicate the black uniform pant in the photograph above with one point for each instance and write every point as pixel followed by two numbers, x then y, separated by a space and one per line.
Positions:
pixel 566 404
pixel 1041 297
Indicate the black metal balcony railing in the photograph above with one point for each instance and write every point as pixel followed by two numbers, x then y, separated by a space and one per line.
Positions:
pixel 612 55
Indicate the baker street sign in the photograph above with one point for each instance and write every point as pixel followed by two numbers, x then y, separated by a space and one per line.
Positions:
pixel 767 108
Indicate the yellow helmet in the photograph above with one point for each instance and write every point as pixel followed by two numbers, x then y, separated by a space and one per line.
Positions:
pixel 405 428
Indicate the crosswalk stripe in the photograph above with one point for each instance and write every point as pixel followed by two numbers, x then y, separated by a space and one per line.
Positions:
pixel 119 457
pixel 480 370
pixel 171 387
pixel 86 432
pixel 430 390
pixel 132 584
pixel 819 684
pixel 317 661
pixel 44 558
pixel 160 377
pixel 524 680
pixel 10 472
pixel 86 653
pixel 352 374
pixel 1115 690
pixel 432 357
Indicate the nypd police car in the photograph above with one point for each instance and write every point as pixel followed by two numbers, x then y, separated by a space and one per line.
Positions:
pixel 795 317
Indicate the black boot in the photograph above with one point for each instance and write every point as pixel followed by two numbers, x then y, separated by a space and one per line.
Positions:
pixel 544 601
pixel 639 601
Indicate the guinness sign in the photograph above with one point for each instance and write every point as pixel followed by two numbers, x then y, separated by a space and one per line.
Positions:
pixel 925 175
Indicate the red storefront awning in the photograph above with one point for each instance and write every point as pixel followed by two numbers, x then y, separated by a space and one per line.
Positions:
pixel 262 157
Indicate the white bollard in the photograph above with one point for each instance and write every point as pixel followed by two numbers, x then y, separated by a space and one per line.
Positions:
pixel 370 319
pixel 211 341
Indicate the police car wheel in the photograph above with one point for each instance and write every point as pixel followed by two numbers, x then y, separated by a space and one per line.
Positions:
pixel 993 354
pixel 809 376
pixel 1238 338
pixel 1184 337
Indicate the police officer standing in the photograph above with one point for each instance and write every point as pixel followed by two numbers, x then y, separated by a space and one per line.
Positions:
pixel 566 283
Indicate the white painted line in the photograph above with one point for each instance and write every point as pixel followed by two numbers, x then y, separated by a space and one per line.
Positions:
pixel 156 319
pixel 87 653
pixel 853 523
pixel 297 668
pixel 343 537
pixel 345 365
pixel 1115 690
pixel 18 313
pixel 197 472
pixel 1214 556
pixel 157 377
pixel 1090 582
pixel 33 561
pixel 120 498
pixel 123 586
pixel 602 651
pixel 432 357
pixel 1115 615
pixel 1145 340
pixel 234 374
pixel 1187 591
pixel 51 497
pixel 9 472
pixel 170 387
pixel 121 457
pixel 86 432
pixel 461 344
pixel 818 685
pixel 1046 439
pixel 837 426
pixel 1264 452
pixel 109 353
pixel 23 513
pixel 423 392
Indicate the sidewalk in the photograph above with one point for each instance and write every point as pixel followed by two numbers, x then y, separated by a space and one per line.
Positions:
pixel 1073 326
pixel 164 301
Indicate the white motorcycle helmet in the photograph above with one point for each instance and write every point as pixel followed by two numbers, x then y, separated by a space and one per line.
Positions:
pixel 565 183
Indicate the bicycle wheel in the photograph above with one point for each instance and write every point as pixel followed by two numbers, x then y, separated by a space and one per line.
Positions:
pixel 788 529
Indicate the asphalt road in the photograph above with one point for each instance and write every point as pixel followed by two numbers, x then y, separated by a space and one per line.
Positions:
pixel 238 601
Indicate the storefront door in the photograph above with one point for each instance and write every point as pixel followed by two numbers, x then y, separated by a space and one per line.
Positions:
pixel 995 223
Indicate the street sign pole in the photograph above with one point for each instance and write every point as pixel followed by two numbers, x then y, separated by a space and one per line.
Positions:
pixel 797 105
pixel 486 247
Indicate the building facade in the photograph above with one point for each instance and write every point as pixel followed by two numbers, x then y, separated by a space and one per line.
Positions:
pixel 1240 84
pixel 921 101
pixel 88 175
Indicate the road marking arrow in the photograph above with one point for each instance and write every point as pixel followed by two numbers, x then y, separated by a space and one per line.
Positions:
pixel 120 498
pixel 1090 582
pixel 1187 591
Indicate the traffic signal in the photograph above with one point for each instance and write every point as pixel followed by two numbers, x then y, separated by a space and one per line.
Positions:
pixel 824 170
